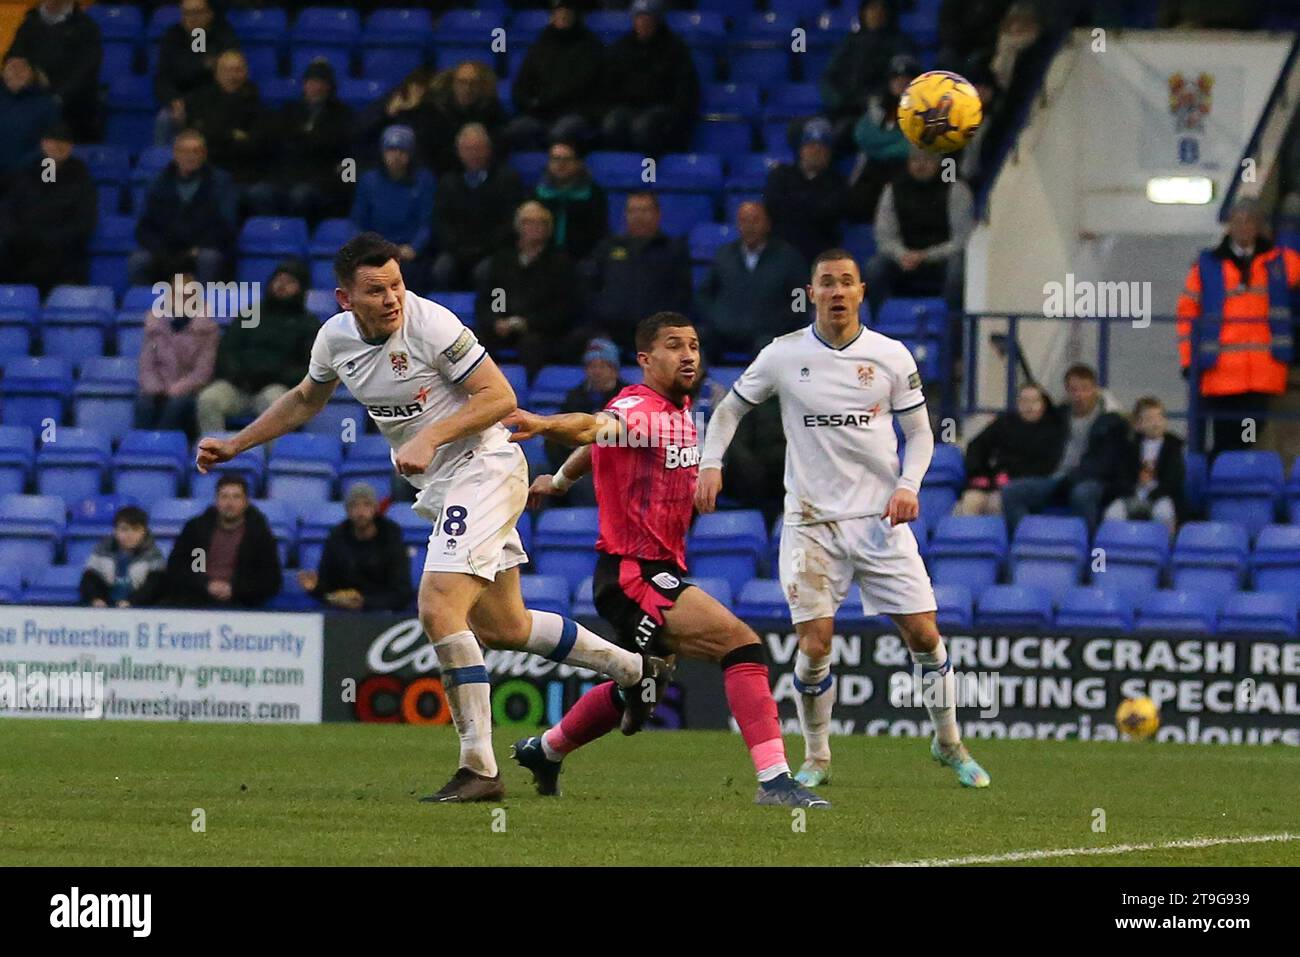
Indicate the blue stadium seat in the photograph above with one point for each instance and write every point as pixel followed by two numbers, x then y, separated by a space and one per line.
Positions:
pixel 718 588
pixel 759 63
pixel 20 309
pixel 89 521
pixel 160 20
pixel 333 25
pixel 1196 482
pixel 303 466
pixel 749 171
pixel 76 319
pixel 11 585
pixel 148 465
pixel 546 593
pixel 830 26
pixel 1275 561
pixel 390 65
pixel 1051 576
pixel 573 565
pixel 690 172
pixel 1134 553
pixel 1260 613
pixel 315 526
pixel 251 465
pixel 328 237
pixel 366 460
pixel 726 137
pixel 292 596
pixel 402 27
pixel 530 165
pixel 735 568
pixel 860 239
pixel 527 25
pixel 108 165
pixel 936 503
pixel 321 303
pixel 34 389
pixel 609 25
pixel 17 457
pixel 360 92
pixel 1096 609
pixel 467 35
pixel 1177 612
pixel 72 464
pixel 681 212
pixel 104 397
pixel 553 383
pixel 1013 606
pixel 968 550
pixel 802 11
pixel 728 532
pixel 131 109
pixel 947 469
pixel 273 236
pixel 730 101
pixel 167 517
pixel 791 101
pixel 54 585
pixel 707 238
pixel 461 303
pixel 31 529
pixel 341 409
pixel 283 519
pixel 1210 558
pixel 615 170
pixel 1048 551
pixel 278 91
pixel 956 607
pixel 112 243
pixel 268 25
pixel 1245 487
pixel 762 598
pixel 563 543
pixel 906 318
pixel 698 28
pixel 415 529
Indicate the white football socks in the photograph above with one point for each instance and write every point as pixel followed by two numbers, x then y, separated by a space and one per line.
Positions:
pixel 816 687
pixel 563 639
pixel 465 682
pixel 943 713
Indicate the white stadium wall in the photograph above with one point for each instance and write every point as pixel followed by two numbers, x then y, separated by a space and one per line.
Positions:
pixel 1071 199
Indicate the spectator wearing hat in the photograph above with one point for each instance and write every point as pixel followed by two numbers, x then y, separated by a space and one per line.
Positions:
pixel 922 224
pixel 183 70
pixel 241 560
pixel 189 219
pixel 229 114
pixel 463 95
pixel 557 90
pixel 882 147
pixel 258 361
pixel 396 201
pixel 527 294
pixel 473 211
pixel 27 111
pixel 177 359
pixel 64 47
pixel 46 221
pixel 807 199
pixel 578 203
pixel 651 86
pixel 364 565
pixel 127 568
pixel 313 136
pixel 600 384
pixel 637 274
pixel 861 65
pixel 748 298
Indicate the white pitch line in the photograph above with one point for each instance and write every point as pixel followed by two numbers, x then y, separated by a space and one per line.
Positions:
pixel 1091 851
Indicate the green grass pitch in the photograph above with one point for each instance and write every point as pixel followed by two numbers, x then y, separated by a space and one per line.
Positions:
pixel 118 793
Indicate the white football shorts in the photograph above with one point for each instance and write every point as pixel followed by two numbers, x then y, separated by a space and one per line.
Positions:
pixel 819 562
pixel 474 505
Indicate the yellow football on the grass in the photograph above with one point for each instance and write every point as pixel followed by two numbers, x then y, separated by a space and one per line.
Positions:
pixel 940 111
pixel 1137 717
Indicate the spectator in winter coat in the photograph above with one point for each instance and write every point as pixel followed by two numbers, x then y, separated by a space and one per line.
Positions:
pixel 808 200
pixel 578 202
pixel 652 86
pixel 177 359
pixel 557 90
pixel 47 220
pixel 63 46
pixel 257 362
pixel 27 111
pixel 230 115
pixel 860 65
pixel 240 560
pixel 364 566
pixel 1155 471
pixel 183 70
pixel 126 569
pixel 189 218
pixel 1023 443
pixel 457 98
pixel 396 201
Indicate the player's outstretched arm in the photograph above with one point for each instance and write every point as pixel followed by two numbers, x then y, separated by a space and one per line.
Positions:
pixel 285 414
pixel 490 400
pixel 568 428
pixel 722 429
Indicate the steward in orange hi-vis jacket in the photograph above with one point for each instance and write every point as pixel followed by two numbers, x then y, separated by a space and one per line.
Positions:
pixel 1238 294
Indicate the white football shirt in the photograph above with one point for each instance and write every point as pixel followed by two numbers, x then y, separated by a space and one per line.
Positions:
pixel 411 379
pixel 837 410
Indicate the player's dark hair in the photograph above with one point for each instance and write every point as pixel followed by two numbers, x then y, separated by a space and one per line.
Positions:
pixel 131 515
pixel 364 249
pixel 833 255
pixel 232 478
pixel 643 194
pixel 1081 370
pixel 647 330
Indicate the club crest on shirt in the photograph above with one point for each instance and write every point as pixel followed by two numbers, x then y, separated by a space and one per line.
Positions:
pixel 866 375
pixel 350 367
pixel 666 580
pixel 914 380
pixel 401 363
